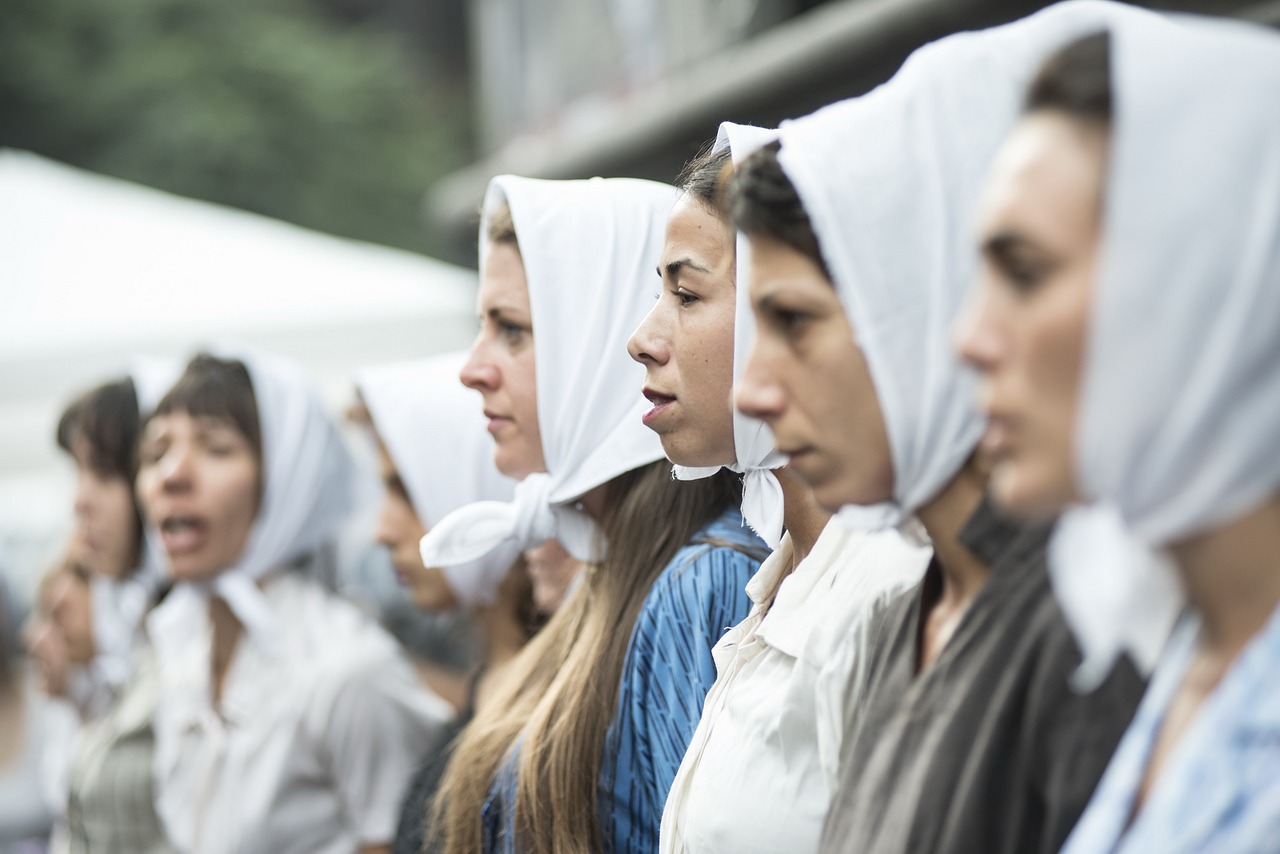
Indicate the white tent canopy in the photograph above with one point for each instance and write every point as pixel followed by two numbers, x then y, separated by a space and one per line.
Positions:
pixel 94 271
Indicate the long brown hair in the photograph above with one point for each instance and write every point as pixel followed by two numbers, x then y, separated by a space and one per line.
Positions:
pixel 562 690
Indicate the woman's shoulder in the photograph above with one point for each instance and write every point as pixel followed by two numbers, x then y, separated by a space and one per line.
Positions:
pixel 707 576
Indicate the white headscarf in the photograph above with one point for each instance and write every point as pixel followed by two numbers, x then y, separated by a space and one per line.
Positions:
pixel 589 248
pixel 755 453
pixel 306 493
pixel 1180 398
pixel 890 181
pixel 434 429
pixel 119 604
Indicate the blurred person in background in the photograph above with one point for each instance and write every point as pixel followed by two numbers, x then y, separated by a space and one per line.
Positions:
pixel 289 721
pixel 763 762
pixel 101 771
pixel 100 777
pixel 1127 323
pixel 582 741
pixel 970 736
pixel 434 457
pixel 99 431
pixel 28 726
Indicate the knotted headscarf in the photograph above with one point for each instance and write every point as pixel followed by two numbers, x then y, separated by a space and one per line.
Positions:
pixel 1180 392
pixel 306 494
pixel 890 181
pixel 434 429
pixel 589 248
pixel 755 453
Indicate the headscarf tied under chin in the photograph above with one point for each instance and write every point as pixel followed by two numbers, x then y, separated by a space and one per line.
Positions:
pixel 755 453
pixel 1180 395
pixel 306 489
pixel 434 429
pixel 890 181
pixel 588 249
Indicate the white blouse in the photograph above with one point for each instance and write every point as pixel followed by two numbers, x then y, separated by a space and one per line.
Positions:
pixel 764 761
pixel 312 746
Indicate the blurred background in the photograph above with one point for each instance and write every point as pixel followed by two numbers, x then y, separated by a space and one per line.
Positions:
pixel 304 175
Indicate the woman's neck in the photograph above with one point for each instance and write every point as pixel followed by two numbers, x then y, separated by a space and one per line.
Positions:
pixel 226 637
pixel 1232 578
pixel 943 517
pixel 803 517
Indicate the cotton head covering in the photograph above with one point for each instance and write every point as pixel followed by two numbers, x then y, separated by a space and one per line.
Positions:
pixel 434 429
pixel 1180 394
pixel 890 181
pixel 306 489
pixel 755 453
pixel 119 605
pixel 588 249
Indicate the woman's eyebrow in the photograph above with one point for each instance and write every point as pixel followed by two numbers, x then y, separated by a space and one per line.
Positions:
pixel 673 268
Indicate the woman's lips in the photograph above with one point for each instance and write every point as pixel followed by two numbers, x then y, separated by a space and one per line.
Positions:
pixel 660 403
pixel 496 421
pixel 997 438
pixel 183 534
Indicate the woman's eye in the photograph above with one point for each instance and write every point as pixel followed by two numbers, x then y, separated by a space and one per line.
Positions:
pixel 789 321
pixel 512 333
pixel 685 297
pixel 1025 276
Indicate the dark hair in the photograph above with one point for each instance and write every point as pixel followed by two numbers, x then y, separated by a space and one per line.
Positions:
pixel 762 202
pixel 106 419
pixel 1076 80
pixel 217 388
pixel 704 176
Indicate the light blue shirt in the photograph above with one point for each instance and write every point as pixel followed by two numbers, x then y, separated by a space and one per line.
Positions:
pixel 1219 791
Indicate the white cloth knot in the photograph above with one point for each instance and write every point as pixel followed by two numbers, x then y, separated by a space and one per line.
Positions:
pixel 470 533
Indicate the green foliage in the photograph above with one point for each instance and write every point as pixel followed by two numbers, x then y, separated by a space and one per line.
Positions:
pixel 261 104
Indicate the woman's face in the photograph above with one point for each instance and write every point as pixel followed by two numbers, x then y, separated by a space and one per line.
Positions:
pixel 552 570
pixel 807 379
pixel 686 341
pixel 1024 328
pixel 400 530
pixel 199 484
pixel 501 365
pixel 106 516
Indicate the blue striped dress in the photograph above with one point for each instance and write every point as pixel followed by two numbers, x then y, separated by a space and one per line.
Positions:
pixel 665 679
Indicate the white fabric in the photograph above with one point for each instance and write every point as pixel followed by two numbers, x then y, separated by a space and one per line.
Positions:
pixel 764 761
pixel 890 181
pixel 434 429
pixel 755 453
pixel 306 493
pixel 589 248
pixel 1180 401
pixel 311 747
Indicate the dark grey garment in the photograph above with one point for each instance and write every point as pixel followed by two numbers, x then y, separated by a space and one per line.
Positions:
pixel 988 751
pixel 411 831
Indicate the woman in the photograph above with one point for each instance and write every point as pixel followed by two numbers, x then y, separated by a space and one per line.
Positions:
pixel 1128 328
pixel 578 749
pixel 763 762
pixel 434 457
pixel 970 737
pixel 288 720
pixel 99 431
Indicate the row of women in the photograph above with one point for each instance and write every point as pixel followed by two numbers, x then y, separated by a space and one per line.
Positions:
pixel 926 499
